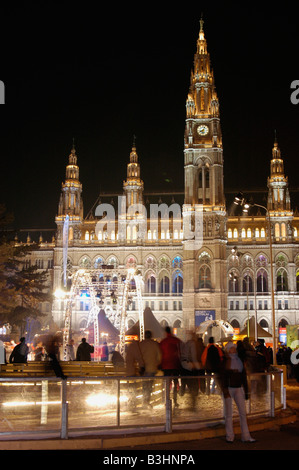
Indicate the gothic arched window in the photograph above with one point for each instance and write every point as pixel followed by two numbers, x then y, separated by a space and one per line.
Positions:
pixel 205 277
pixel 177 262
pixel 131 262
pixel 164 262
pixel 85 262
pixel 235 324
pixel 200 179
pixel 112 261
pixel 264 324
pixel 207 176
pixel 204 182
pixel 247 283
pixel 262 281
pixel 281 280
pixel 177 286
pixel 233 283
pixel 150 263
pixel 277 230
pixel 98 262
pixel 151 284
pixel 204 270
pixel 261 262
pixel 164 285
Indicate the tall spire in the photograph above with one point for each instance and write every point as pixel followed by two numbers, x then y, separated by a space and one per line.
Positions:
pixel 201 21
pixel 133 154
pixel 202 101
pixel 201 42
pixel 278 195
pixel 203 132
pixel 72 169
pixel 133 186
pixel 277 167
pixel 70 200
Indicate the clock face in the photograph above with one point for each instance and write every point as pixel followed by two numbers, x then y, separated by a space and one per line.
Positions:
pixel 202 130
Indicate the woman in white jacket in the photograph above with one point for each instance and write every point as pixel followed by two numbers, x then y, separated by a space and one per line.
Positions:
pixel 234 386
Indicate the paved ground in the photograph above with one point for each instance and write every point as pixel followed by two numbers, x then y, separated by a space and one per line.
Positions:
pixel 278 438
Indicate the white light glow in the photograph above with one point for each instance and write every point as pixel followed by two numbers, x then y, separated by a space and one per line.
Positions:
pixel 59 294
pixel 102 399
pixel 29 403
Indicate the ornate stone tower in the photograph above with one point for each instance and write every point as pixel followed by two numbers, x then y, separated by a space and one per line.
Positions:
pixel 279 202
pixel 70 202
pixel 204 267
pixel 133 186
pixel 132 218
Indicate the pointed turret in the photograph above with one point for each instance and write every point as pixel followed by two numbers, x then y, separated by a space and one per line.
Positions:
pixel 133 186
pixel 202 101
pixel 72 169
pixel 70 202
pixel 278 195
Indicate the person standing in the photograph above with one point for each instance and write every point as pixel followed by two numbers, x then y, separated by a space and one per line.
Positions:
pixel 211 359
pixel 190 367
pixel 134 359
pixel 134 364
pixel 171 349
pixel 52 349
pixel 151 354
pixel 234 387
pixel 104 352
pixel 84 351
pixel 19 353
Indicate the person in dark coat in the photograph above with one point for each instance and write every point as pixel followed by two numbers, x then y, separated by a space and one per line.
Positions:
pixel 104 352
pixel 19 353
pixel 84 351
pixel 211 359
pixel 52 349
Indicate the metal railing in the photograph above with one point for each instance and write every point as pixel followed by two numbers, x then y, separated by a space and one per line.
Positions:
pixel 39 407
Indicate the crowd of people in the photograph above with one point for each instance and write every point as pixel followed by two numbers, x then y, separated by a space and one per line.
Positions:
pixel 192 357
pixel 193 366
pixel 23 352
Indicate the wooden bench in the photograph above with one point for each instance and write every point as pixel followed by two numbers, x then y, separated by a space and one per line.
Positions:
pixel 70 369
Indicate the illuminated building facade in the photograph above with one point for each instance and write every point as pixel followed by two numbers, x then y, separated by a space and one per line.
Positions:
pixel 228 276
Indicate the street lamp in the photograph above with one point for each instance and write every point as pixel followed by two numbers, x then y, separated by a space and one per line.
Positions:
pixel 245 204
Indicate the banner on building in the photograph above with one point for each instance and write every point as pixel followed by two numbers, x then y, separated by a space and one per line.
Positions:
pixel 292 335
pixel 204 315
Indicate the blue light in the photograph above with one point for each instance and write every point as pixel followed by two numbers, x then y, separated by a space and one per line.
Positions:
pixel 84 295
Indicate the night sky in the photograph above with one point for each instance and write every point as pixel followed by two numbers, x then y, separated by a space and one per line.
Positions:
pixel 102 75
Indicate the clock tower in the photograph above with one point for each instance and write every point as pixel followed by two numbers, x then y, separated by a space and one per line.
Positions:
pixel 205 266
